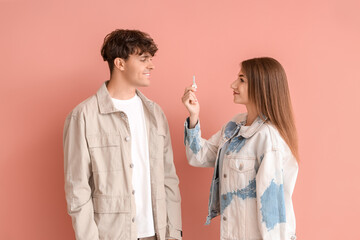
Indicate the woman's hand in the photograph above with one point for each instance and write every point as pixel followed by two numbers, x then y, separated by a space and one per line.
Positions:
pixel 190 101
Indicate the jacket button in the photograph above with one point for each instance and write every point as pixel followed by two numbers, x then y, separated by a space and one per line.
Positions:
pixel 133 219
pixel 225 175
pixel 131 165
pixel 127 138
pixel 241 166
pixel 224 218
pixel 133 192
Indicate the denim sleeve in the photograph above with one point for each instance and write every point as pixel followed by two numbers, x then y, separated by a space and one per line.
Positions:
pixel 200 152
pixel 192 136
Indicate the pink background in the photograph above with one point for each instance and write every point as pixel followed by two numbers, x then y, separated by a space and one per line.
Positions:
pixel 50 62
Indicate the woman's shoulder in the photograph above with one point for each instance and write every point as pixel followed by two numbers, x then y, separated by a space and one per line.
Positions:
pixel 272 138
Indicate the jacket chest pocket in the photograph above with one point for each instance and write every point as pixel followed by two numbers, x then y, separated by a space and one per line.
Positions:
pixel 241 164
pixel 241 171
pixel 105 152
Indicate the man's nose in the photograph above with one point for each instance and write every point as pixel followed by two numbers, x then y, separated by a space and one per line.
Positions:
pixel 151 66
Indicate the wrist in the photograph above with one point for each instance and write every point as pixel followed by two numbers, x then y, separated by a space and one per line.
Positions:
pixel 193 119
pixel 194 116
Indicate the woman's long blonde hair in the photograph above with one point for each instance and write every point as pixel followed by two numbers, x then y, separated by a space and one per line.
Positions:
pixel 268 89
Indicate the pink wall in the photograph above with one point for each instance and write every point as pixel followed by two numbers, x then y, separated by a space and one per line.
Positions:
pixel 50 61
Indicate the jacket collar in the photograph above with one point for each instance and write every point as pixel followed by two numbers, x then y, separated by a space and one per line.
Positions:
pixel 241 118
pixel 106 105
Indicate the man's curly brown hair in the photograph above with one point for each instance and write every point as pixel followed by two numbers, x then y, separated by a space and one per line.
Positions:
pixel 123 42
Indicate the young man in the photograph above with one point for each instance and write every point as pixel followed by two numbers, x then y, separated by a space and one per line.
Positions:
pixel 120 178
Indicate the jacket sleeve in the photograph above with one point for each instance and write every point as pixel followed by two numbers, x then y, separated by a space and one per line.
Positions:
pixel 270 196
pixel 171 181
pixel 77 170
pixel 200 152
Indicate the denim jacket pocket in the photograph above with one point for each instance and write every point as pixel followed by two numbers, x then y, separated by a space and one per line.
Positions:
pixel 241 164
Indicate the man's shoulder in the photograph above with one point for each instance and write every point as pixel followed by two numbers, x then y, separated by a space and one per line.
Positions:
pixel 160 117
pixel 84 107
pixel 156 107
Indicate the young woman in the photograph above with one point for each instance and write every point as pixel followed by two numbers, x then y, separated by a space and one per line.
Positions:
pixel 254 155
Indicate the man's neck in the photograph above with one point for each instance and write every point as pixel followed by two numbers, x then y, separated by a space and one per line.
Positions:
pixel 120 89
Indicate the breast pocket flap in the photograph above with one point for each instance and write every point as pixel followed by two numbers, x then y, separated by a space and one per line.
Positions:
pixel 242 164
pixel 103 141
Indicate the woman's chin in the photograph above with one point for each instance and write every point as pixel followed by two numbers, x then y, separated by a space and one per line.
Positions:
pixel 237 101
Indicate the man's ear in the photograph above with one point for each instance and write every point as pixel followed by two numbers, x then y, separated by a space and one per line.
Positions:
pixel 119 63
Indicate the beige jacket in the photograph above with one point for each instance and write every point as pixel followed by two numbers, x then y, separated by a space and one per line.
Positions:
pixel 98 171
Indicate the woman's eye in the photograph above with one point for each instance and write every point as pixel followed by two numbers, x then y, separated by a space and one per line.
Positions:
pixel 242 80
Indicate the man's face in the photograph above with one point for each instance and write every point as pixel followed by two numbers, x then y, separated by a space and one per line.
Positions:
pixel 137 69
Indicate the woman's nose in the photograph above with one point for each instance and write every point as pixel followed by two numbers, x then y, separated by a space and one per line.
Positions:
pixel 233 85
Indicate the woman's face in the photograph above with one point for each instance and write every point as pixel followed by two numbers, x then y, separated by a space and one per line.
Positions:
pixel 240 89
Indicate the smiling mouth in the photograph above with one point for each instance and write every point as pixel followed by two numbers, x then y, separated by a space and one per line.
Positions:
pixel 235 93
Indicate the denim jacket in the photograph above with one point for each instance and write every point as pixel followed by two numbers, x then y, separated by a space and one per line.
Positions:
pixel 253 181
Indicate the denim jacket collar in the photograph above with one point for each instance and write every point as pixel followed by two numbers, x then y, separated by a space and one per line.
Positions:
pixel 240 120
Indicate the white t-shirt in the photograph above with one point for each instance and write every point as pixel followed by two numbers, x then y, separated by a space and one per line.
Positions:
pixel 134 110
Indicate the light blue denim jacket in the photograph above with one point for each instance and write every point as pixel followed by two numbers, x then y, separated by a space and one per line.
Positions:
pixel 253 181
